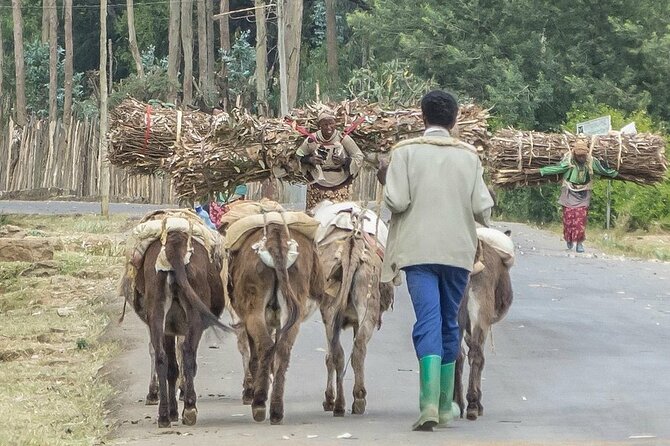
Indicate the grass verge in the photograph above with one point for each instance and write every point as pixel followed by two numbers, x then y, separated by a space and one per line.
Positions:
pixel 50 347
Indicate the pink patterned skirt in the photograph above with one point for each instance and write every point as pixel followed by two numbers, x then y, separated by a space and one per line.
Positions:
pixel 574 223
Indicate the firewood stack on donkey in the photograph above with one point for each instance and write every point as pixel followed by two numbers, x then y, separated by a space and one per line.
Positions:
pixel 274 281
pixel 486 301
pixel 172 280
pixel 351 242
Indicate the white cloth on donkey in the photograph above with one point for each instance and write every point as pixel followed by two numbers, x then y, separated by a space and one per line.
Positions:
pixel 254 215
pixel 339 215
pixel 156 226
pixel 499 241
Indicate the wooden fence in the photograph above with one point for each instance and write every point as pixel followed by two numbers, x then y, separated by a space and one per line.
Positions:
pixel 28 162
pixel 72 163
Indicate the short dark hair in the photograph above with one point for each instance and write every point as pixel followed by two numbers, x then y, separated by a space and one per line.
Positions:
pixel 439 108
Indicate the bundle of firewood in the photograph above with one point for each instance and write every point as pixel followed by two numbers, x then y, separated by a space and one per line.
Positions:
pixel 381 128
pixel 207 154
pixel 514 157
pixel 142 136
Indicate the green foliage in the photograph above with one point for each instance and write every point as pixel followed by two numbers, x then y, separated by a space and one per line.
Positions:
pixel 240 64
pixel 389 83
pixel 151 29
pixel 37 78
pixel 531 59
pixel 535 204
pixel 153 86
pixel 317 36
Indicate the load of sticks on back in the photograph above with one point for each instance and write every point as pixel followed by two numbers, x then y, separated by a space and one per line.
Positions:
pixel 514 157
pixel 207 153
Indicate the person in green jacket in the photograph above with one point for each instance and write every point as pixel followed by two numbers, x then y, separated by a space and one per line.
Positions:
pixel 578 168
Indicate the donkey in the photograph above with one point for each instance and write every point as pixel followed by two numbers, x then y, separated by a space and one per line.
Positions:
pixel 271 302
pixel 486 301
pixel 181 302
pixel 354 297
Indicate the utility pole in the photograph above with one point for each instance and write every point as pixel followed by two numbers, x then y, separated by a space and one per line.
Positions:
pixel 102 160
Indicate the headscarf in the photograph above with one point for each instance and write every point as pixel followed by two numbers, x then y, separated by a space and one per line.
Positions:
pixel 581 147
pixel 325 114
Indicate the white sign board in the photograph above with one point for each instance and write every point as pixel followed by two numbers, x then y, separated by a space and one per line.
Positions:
pixel 598 126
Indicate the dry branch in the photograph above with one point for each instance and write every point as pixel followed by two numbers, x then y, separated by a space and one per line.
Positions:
pixel 514 156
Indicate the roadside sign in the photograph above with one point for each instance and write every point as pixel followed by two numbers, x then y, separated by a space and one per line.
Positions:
pixel 598 126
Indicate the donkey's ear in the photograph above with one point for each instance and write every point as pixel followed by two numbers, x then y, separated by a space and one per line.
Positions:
pixel 508 233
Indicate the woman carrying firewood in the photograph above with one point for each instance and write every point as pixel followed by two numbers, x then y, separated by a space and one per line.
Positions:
pixel 332 159
pixel 577 167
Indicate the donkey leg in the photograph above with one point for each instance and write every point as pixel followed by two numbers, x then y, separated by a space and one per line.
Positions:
pixel 172 375
pixel 152 394
pixel 155 319
pixel 283 356
pixel 476 359
pixel 359 353
pixel 327 314
pixel 180 363
pixel 243 346
pixel 253 371
pixel 458 381
pixel 189 353
pixel 265 348
pixel 337 354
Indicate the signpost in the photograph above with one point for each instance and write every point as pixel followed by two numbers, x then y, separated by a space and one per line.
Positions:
pixel 599 126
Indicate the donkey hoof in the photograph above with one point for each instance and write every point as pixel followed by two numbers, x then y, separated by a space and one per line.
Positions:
pixel 338 412
pixel 276 418
pixel 358 408
pixel 471 414
pixel 174 416
pixel 258 413
pixel 164 422
pixel 247 397
pixel 189 416
pixel 328 406
pixel 151 400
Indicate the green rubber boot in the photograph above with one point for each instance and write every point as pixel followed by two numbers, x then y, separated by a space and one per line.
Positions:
pixel 448 409
pixel 429 393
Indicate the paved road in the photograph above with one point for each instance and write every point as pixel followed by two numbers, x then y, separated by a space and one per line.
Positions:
pixel 582 358
pixel 73 207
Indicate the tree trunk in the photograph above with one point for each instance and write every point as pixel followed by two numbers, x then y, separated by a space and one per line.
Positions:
pixel 45 20
pixel 53 60
pixel 20 72
pixel 187 45
pixel 224 44
pixel 281 50
pixel 2 57
pixel 173 51
pixel 132 38
pixel 69 70
pixel 53 89
pixel 224 25
pixel 211 57
pixel 293 29
pixel 261 58
pixel 202 49
pixel 331 41
pixel 103 163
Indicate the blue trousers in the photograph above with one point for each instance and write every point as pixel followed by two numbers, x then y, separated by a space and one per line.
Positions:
pixel 436 292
